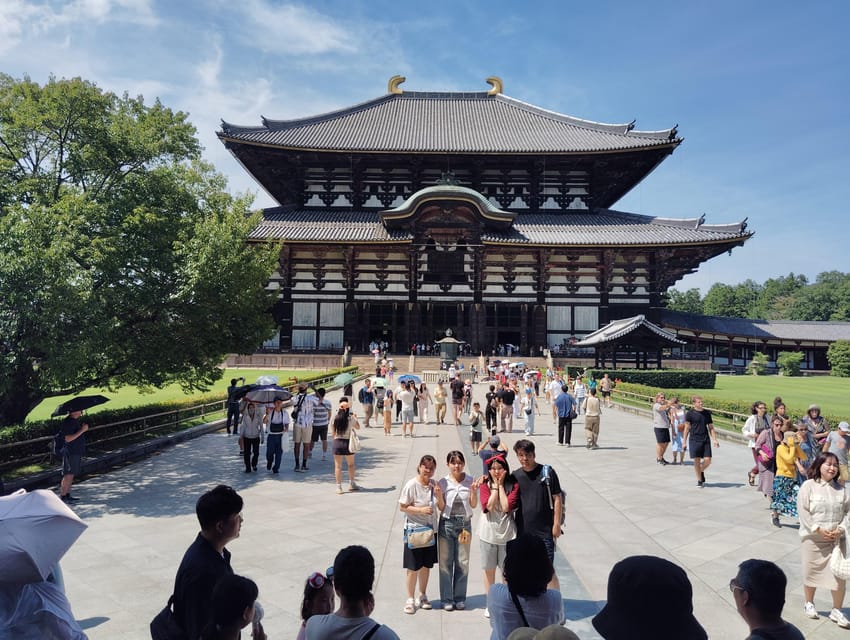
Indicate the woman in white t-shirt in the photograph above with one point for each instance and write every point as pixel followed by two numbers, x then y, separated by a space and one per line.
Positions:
pixel 499 499
pixel 418 502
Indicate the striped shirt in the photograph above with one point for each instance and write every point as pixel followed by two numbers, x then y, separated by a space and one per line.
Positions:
pixel 322 413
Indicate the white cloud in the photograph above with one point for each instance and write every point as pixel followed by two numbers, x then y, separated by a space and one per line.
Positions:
pixel 20 19
pixel 290 29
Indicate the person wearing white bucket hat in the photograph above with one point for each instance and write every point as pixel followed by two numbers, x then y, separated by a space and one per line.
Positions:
pixel 838 443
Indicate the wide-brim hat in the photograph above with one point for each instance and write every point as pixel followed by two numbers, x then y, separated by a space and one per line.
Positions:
pixel 788 427
pixel 813 407
pixel 649 598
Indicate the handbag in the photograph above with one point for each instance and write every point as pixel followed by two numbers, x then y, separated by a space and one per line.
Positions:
pixel 419 536
pixel 839 563
pixel 353 441
pixel 164 626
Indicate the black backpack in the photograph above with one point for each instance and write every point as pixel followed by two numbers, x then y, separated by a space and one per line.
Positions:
pixel 57 446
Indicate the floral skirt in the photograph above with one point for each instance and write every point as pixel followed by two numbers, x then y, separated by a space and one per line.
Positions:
pixel 784 499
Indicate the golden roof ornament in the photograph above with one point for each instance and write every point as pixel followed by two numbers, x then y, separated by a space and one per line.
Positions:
pixel 393 85
pixel 497 84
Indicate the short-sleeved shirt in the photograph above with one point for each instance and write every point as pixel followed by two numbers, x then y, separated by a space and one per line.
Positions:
pixel 406 398
pixel 838 445
pixel 555 388
pixel 457 389
pixel 535 515
pixel 699 421
pixel 507 396
pixel 786 632
pixel 322 413
pixel 564 404
pixel 77 446
pixel 419 495
pixel 660 418
pixel 305 413
pixel 331 626
pixel 366 396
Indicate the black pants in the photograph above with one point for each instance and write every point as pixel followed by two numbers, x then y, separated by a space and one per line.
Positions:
pixel 251 452
pixel 565 430
pixel 233 414
pixel 490 417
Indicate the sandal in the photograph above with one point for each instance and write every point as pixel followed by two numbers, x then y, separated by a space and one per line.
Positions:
pixel 410 606
pixel 424 603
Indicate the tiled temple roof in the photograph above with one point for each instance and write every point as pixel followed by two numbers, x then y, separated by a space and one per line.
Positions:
pixel 460 122
pixel 593 228
pixel 762 329
pixel 618 329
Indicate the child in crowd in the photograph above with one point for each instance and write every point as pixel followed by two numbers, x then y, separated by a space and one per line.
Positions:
pixel 677 422
pixel 476 428
pixel 318 600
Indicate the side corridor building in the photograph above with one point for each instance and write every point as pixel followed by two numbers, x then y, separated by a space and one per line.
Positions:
pixel 416 212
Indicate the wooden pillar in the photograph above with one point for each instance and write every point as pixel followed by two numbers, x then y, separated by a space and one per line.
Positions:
pixel 523 328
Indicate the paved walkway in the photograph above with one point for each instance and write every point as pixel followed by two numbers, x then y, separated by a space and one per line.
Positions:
pixel 619 502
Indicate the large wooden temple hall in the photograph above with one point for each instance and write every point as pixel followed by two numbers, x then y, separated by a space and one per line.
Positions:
pixel 416 212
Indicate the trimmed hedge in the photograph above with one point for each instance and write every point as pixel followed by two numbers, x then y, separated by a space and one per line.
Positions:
pixel 713 402
pixel 138 416
pixel 661 378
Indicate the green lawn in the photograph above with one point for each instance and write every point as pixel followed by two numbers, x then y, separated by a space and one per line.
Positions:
pixel 832 394
pixel 132 397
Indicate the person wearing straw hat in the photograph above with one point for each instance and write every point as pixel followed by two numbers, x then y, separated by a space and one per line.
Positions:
pixel 838 442
pixel 817 425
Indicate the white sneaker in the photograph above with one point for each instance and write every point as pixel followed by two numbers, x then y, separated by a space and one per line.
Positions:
pixel 486 613
pixel 838 618
pixel 809 610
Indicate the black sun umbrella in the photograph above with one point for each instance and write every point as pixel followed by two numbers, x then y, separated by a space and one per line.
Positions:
pixel 80 403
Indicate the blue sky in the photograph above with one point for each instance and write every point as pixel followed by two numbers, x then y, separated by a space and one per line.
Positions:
pixel 760 90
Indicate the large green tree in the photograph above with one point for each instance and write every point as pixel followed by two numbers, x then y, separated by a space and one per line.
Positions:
pixel 123 260
pixel 688 301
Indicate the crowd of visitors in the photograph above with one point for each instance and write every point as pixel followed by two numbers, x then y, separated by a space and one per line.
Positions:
pixel 800 466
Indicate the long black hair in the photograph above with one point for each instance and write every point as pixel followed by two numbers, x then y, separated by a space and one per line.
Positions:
pixel 341 419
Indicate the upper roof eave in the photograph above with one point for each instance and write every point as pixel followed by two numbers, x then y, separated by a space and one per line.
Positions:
pixel 365 127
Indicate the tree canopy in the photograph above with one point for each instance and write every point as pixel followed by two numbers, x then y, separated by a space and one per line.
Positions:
pixel 123 259
pixel 789 297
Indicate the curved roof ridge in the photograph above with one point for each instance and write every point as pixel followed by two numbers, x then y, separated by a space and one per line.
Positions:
pixel 276 125
pixel 624 129
pixel 627 128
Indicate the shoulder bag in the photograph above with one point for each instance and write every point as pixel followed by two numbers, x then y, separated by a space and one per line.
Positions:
pixel 419 536
pixel 164 626
pixel 839 563
pixel 353 440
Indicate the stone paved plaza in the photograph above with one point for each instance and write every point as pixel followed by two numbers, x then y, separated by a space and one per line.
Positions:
pixel 619 503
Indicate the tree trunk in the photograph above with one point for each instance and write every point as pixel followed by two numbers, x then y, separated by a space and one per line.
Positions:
pixel 19 399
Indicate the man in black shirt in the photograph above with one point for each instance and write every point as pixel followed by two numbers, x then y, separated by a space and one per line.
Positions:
pixel 540 500
pixel 73 431
pixel 699 426
pixel 206 560
pixel 507 397
pixel 491 410
pixel 456 386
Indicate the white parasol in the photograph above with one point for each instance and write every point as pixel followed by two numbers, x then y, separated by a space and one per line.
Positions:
pixel 36 529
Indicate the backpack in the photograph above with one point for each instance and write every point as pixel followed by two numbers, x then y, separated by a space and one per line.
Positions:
pixel 547 482
pixel 57 446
